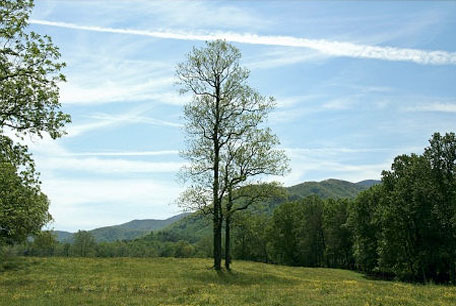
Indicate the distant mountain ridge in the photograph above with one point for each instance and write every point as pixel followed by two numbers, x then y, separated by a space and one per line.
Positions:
pixel 126 231
pixel 368 183
pixel 192 226
pixel 330 188
pixel 196 226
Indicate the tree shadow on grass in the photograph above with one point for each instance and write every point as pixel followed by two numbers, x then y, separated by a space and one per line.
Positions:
pixel 237 278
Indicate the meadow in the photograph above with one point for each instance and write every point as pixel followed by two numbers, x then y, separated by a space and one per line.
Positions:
pixel 171 281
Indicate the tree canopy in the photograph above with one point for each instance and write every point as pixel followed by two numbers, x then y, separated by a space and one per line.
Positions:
pixel 225 143
pixel 406 226
pixel 29 105
pixel 23 207
pixel 29 75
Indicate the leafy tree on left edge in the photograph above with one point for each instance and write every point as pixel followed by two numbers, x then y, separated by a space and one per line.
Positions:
pixel 29 105
pixel 23 207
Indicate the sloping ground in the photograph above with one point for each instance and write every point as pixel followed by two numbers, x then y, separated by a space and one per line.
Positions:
pixel 332 188
pixel 170 281
pixel 127 231
pixel 368 183
pixel 195 226
pixel 192 227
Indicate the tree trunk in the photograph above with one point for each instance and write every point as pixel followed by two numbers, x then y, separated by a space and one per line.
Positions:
pixel 217 242
pixel 228 232
pixel 452 273
pixel 227 242
pixel 218 217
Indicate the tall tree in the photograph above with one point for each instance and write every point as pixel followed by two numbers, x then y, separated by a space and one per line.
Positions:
pixel 223 111
pixel 405 227
pixel 29 75
pixel 29 104
pixel 84 244
pixel 337 235
pixel 365 228
pixel 441 154
pixel 296 233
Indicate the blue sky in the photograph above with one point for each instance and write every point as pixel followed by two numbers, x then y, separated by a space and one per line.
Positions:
pixel 357 83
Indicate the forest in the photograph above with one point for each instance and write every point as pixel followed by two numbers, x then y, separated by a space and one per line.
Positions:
pixel 401 228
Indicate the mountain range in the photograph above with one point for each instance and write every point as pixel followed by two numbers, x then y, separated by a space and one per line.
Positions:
pixel 126 231
pixel 192 226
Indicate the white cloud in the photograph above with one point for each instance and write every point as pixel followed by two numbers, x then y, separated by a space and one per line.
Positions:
pixel 331 48
pixel 296 152
pixel 134 116
pixel 50 156
pixel 198 14
pixel 110 91
pixel 157 90
pixel 282 57
pixel 142 192
pixel 435 107
pixel 127 153
pixel 340 103
pixel 106 165
pixel 316 164
pixel 88 203
pixel 176 13
pixel 106 72
pixel 306 169
pixel 285 102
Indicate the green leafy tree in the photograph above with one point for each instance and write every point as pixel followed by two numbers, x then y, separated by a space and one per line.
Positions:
pixel 223 114
pixel 365 228
pixel 247 157
pixel 44 244
pixel 29 104
pixel 83 245
pixel 309 233
pixel 23 207
pixel 441 154
pixel 296 233
pixel 250 237
pixel 283 238
pixel 29 75
pixel 407 240
pixel 405 227
pixel 337 234
pixel 183 249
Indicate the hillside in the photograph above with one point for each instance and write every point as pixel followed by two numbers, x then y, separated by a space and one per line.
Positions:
pixel 63 236
pixel 368 183
pixel 331 188
pixel 126 231
pixel 171 281
pixel 193 227
pixel 196 226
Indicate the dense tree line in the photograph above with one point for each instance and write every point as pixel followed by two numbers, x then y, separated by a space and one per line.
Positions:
pixel 403 228
pixel 406 227
pixel 84 245
pixel 311 232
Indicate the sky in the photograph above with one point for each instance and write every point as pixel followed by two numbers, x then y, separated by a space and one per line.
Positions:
pixel 356 84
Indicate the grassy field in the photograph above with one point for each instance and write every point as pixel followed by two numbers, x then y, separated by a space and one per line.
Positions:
pixel 169 281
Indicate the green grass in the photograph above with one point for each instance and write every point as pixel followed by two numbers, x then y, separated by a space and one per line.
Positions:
pixel 169 281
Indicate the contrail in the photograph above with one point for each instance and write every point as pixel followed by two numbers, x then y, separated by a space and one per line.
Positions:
pixel 332 48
